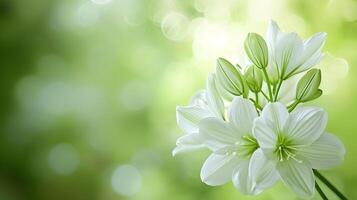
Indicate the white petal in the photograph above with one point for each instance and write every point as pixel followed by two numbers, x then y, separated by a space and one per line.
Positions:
pixel 313 45
pixel 199 99
pixel 326 152
pixel 298 176
pixel 216 133
pixel 188 117
pixel 242 114
pixel 288 52
pixel 214 100
pixel 218 169
pixel 242 180
pixel 287 91
pixel 275 115
pixel 262 171
pixel 188 142
pixel 270 124
pixel 265 134
pixel 271 38
pixel 272 33
pixel 306 124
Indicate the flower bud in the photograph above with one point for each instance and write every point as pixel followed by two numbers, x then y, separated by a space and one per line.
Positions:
pixel 308 86
pixel 230 78
pixel 254 79
pixel 256 49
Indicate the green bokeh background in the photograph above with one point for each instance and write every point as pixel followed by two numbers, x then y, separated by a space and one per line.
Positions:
pixel 89 89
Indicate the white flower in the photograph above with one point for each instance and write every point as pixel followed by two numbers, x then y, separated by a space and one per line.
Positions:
pixel 206 103
pixel 297 143
pixel 289 55
pixel 233 145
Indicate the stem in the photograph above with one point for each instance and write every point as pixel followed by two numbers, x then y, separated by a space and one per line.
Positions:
pixel 293 105
pixel 268 83
pixel 322 194
pixel 278 89
pixel 257 106
pixel 263 93
pixel 329 185
pixel 256 98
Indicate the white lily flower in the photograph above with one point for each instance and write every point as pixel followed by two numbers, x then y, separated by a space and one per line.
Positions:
pixel 206 103
pixel 233 145
pixel 297 143
pixel 289 55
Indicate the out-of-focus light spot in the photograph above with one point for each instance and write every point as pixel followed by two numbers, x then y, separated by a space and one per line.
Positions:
pixel 135 95
pixel 210 41
pixel 87 14
pixel 101 1
pixel 345 9
pixel 132 12
pixel 126 180
pixel 333 70
pixel 214 9
pixel 146 158
pixel 174 26
pixel 63 159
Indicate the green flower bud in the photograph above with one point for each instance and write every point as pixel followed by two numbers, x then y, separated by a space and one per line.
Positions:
pixel 308 86
pixel 254 78
pixel 230 78
pixel 256 49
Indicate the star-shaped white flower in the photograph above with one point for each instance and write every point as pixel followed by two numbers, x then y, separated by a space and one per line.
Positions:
pixel 297 143
pixel 206 103
pixel 289 55
pixel 233 145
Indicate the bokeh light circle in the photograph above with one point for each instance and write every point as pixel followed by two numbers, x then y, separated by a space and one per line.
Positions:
pixel 126 180
pixel 175 26
pixel 63 159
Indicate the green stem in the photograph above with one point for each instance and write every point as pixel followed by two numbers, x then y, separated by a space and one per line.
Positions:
pixel 278 89
pixel 293 105
pixel 265 95
pixel 329 185
pixel 268 84
pixel 322 194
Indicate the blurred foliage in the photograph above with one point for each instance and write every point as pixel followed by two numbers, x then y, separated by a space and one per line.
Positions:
pixel 89 90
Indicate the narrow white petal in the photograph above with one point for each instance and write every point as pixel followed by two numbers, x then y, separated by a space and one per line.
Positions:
pixel 242 180
pixel 288 90
pixel 272 34
pixel 271 38
pixel 217 133
pixel 275 115
pixel 214 100
pixel 288 52
pixel 188 117
pixel 188 142
pixel 218 169
pixel 313 44
pixel 199 99
pixel 298 176
pixel 242 114
pixel 265 134
pixel 262 171
pixel 306 124
pixel 326 152
pixel 310 62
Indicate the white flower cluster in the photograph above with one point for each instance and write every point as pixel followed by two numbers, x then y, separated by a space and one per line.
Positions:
pixel 253 121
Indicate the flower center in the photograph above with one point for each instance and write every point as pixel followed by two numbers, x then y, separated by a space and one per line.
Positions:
pixel 285 150
pixel 246 146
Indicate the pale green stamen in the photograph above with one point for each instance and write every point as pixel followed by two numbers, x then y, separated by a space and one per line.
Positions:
pixel 285 149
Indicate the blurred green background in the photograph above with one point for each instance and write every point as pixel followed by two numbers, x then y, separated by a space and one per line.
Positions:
pixel 89 90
